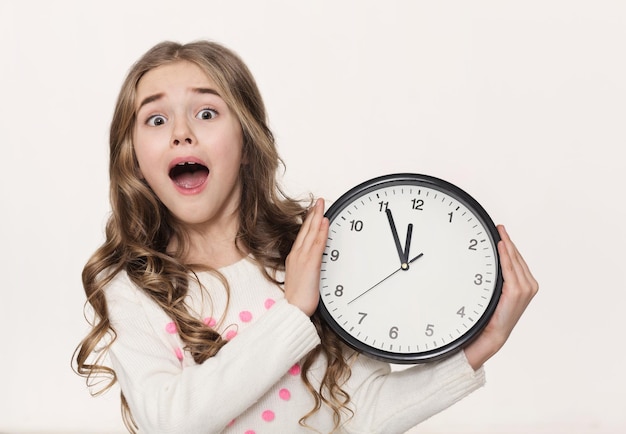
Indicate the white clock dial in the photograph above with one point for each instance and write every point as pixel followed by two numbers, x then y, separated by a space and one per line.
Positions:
pixel 410 271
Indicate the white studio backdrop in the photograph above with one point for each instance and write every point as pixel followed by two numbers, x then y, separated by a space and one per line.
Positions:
pixel 522 104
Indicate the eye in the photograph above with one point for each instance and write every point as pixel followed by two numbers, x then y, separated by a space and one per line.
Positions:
pixel 156 120
pixel 206 114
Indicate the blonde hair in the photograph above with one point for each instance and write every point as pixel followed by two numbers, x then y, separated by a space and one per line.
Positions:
pixel 140 227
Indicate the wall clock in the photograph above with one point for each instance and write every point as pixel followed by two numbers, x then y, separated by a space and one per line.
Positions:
pixel 410 272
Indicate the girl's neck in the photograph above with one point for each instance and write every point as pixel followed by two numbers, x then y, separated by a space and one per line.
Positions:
pixel 214 246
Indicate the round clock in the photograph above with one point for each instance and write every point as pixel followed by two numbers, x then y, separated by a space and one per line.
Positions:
pixel 410 272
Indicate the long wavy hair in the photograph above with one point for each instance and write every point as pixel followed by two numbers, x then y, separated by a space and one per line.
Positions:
pixel 140 228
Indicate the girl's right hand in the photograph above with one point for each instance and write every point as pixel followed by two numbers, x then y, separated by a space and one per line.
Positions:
pixel 303 264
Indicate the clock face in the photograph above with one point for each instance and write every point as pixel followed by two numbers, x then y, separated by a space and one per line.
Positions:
pixel 410 272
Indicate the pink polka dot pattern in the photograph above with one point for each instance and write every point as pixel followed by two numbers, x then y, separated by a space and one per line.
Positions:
pixel 231 423
pixel 245 316
pixel 179 354
pixel 170 327
pixel 284 394
pixel 269 303
pixel 250 431
pixel 231 334
pixel 268 415
pixel 295 369
pixel 210 322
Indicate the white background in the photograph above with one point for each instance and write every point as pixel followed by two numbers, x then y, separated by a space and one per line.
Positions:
pixel 522 104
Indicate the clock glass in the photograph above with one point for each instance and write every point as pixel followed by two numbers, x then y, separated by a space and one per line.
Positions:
pixel 410 271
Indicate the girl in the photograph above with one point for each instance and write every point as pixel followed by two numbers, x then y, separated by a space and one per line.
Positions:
pixel 205 290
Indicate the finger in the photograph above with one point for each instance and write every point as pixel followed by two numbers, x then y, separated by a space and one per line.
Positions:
pixel 513 251
pixel 304 228
pixel 519 272
pixel 507 253
pixel 518 261
pixel 308 224
pixel 322 235
pixel 509 274
pixel 314 231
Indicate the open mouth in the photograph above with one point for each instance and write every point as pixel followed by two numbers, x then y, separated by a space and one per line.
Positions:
pixel 189 174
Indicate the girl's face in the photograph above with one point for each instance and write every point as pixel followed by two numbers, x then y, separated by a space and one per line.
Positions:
pixel 188 144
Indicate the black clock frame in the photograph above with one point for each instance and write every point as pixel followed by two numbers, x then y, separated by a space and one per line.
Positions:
pixel 457 193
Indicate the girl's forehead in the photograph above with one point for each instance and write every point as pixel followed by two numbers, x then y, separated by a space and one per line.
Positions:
pixel 173 77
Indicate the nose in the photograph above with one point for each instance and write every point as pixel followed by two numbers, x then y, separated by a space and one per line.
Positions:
pixel 182 134
pixel 187 140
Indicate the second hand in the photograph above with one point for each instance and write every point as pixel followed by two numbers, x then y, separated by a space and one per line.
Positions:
pixel 369 289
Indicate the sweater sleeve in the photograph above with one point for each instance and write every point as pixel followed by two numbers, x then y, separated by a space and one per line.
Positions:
pixel 164 397
pixel 395 401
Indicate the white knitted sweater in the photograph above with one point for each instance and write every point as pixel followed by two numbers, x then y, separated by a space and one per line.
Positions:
pixel 253 386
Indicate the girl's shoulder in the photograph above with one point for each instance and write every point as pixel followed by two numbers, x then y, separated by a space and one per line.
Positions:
pixel 239 277
pixel 120 287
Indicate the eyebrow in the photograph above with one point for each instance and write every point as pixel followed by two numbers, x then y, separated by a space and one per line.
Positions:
pixel 156 97
pixel 149 99
pixel 204 90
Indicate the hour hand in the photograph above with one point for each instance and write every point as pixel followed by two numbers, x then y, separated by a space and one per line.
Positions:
pixel 396 239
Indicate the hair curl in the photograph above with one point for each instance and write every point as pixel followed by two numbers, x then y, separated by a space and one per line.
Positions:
pixel 140 227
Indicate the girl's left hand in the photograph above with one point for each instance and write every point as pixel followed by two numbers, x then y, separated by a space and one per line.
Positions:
pixel 517 291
